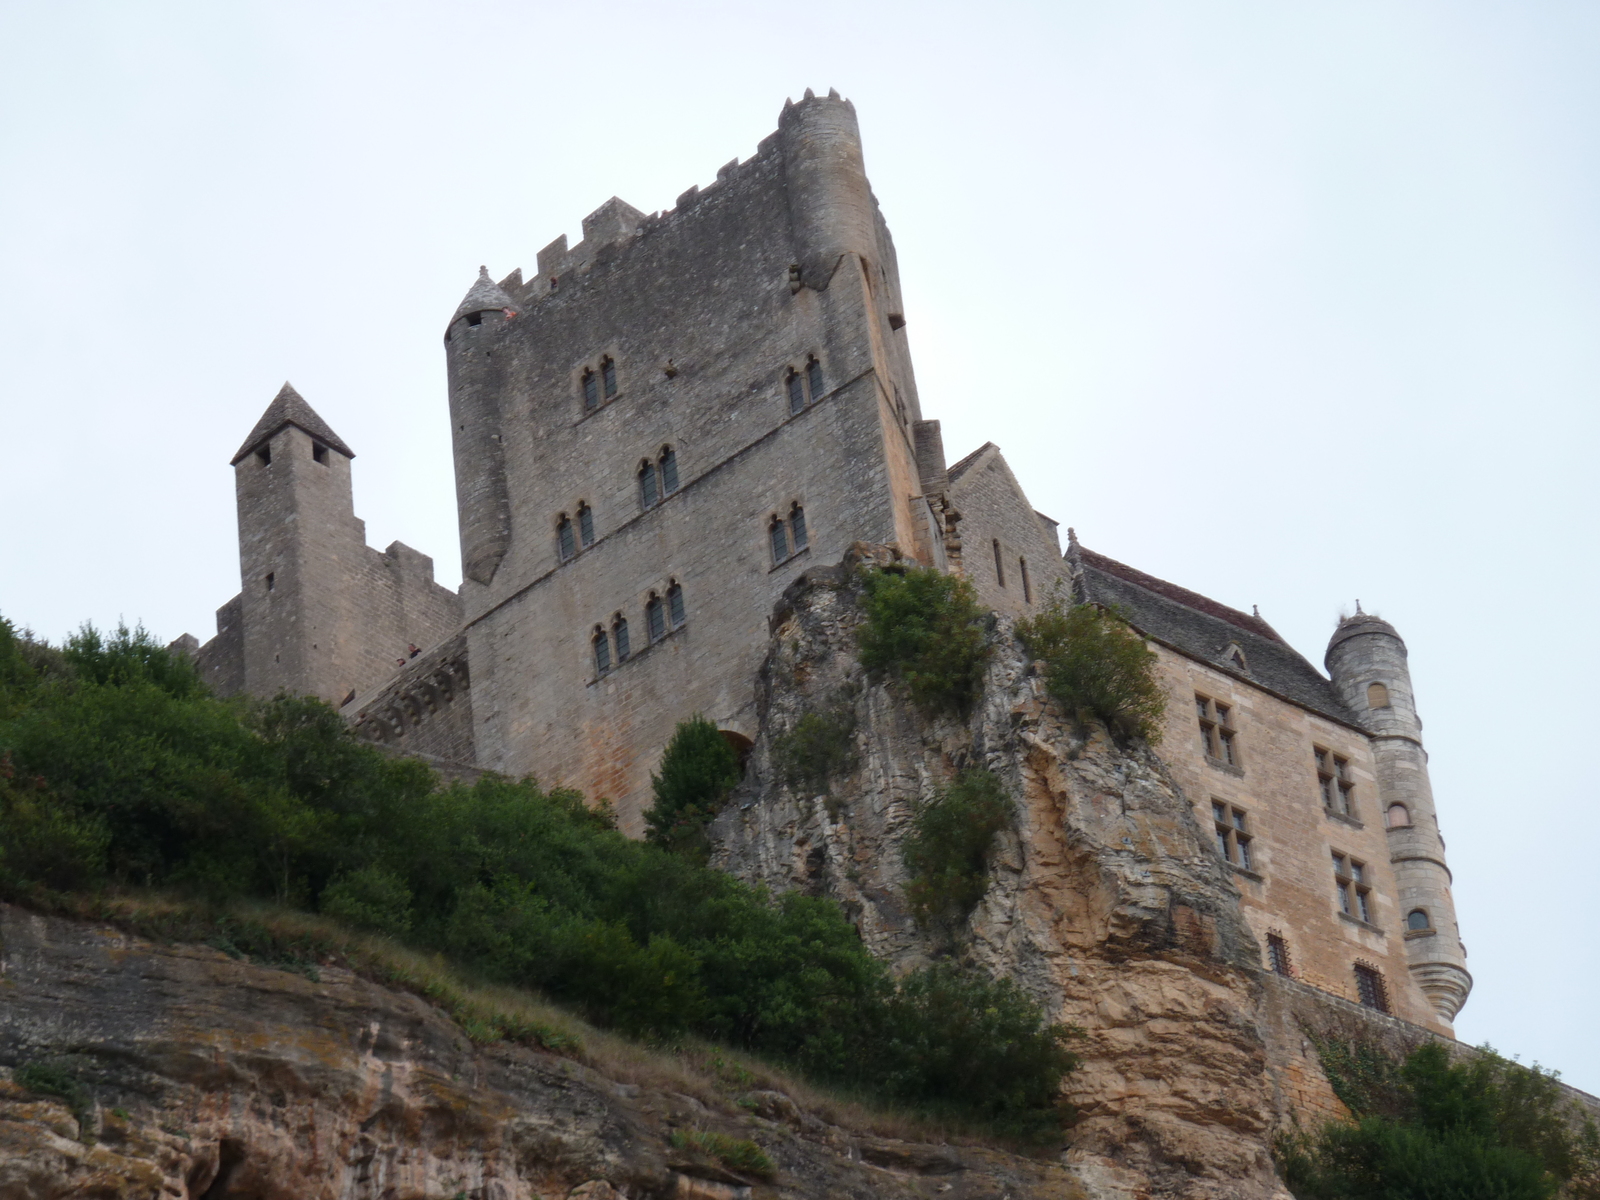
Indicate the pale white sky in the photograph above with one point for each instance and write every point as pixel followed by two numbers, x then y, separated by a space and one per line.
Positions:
pixel 1288 303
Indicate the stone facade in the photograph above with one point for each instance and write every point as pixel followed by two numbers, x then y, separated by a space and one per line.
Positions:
pixel 663 428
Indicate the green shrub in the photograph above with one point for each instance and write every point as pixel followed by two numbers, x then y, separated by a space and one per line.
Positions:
pixel 819 747
pixel 369 898
pixel 698 770
pixel 927 626
pixel 1483 1128
pixel 737 1154
pixel 46 1078
pixel 1097 667
pixel 947 850
pixel 137 777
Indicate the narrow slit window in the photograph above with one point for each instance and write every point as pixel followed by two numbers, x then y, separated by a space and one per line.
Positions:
pixel 675 606
pixel 602 651
pixel 586 525
pixel 564 545
pixel 999 564
pixel 591 391
pixel 1027 584
pixel 647 484
pixel 272 580
pixel 669 471
pixel 608 377
pixel 797 528
pixel 780 540
pixel 655 618
pixel 475 318
pixel 814 378
pixel 797 392
pixel 264 456
pixel 619 634
pixel 319 453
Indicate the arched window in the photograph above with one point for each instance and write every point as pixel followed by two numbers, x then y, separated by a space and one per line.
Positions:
pixel 1417 918
pixel 655 618
pixel 1399 817
pixel 999 564
pixel 585 525
pixel 1027 584
pixel 647 484
pixel 797 391
pixel 780 540
pixel 591 391
pixel 675 605
pixel 602 650
pixel 669 471
pixel 814 378
pixel 564 545
pixel 1377 696
pixel 619 634
pixel 797 527
pixel 608 377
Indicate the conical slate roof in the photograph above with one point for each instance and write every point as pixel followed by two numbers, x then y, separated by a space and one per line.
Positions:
pixel 289 408
pixel 484 296
pixel 1355 626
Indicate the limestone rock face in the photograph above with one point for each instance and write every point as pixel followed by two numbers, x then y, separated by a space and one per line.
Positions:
pixel 207 1077
pixel 1106 901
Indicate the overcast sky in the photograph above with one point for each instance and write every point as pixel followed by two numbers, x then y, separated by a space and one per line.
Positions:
pixel 1292 304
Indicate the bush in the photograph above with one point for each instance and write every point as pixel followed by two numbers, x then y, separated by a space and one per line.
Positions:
pixel 698 770
pixel 820 746
pixel 127 773
pixel 947 851
pixel 928 627
pixel 1480 1129
pixel 46 1078
pixel 737 1154
pixel 1097 667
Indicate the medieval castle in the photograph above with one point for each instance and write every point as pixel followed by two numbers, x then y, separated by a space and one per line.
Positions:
pixel 660 429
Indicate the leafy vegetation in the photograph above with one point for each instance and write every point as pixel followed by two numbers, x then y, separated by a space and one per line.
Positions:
pixel 737 1154
pixel 820 746
pixel 47 1078
pixel 698 770
pixel 947 852
pixel 129 774
pixel 928 627
pixel 1427 1128
pixel 1097 667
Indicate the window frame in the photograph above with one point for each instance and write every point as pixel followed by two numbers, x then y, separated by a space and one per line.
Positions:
pixel 600 651
pixel 566 540
pixel 649 485
pixel 667 464
pixel 622 648
pixel 1233 833
pixel 677 613
pixel 1336 786
pixel 1219 736
pixel 1352 886
pixel 585 525
pixel 1279 960
pixel 1375 993
pixel 655 619
pixel 814 386
pixel 778 540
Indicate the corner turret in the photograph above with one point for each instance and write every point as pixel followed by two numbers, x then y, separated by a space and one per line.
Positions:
pixel 483 504
pixel 1366 660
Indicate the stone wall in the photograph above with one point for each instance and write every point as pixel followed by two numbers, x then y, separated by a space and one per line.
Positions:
pixel 426 709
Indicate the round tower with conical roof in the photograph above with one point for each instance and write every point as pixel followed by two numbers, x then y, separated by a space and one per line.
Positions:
pixel 483 504
pixel 1367 661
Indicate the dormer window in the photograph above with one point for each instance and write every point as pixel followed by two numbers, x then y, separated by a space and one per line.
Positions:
pixel 319 453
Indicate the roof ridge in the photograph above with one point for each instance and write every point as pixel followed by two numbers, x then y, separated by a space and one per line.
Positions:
pixel 961 466
pixel 1181 595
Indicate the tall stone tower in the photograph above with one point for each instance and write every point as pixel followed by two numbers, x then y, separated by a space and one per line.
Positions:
pixel 1367 661
pixel 657 432
pixel 319 612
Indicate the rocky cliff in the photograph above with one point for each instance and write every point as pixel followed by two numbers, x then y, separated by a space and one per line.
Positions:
pixel 1106 901
pixel 203 1076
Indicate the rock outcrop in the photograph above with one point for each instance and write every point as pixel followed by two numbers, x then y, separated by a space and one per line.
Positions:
pixel 1106 900
pixel 203 1076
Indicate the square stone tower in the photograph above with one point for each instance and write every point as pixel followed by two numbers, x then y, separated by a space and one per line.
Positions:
pixel 657 433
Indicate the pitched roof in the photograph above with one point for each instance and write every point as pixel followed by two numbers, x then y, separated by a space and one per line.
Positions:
pixel 289 408
pixel 960 468
pixel 1203 629
pixel 483 296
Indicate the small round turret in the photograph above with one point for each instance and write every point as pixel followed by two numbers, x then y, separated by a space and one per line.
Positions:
pixel 1366 660
pixel 475 375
